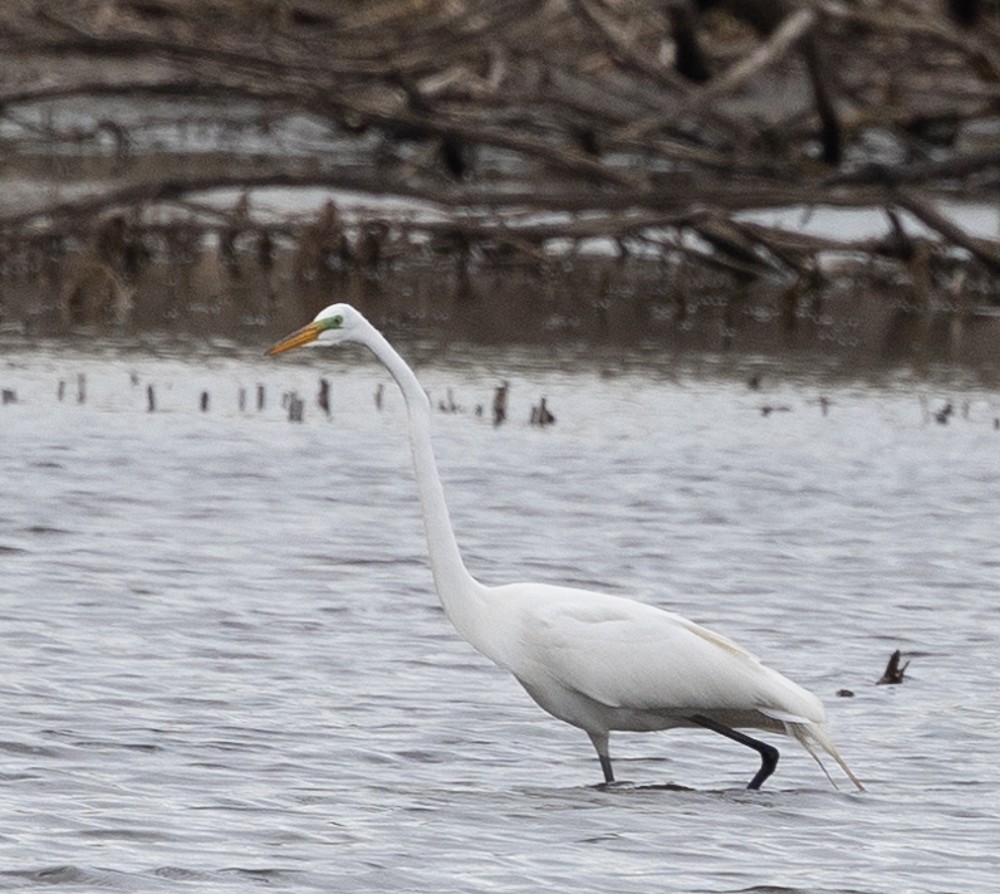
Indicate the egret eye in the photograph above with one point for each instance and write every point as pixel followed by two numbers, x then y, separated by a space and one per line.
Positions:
pixel 337 321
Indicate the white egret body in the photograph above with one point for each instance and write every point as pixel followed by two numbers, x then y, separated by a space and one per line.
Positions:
pixel 596 661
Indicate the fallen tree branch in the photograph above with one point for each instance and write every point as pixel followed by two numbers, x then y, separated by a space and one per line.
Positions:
pixel 985 252
pixel 781 41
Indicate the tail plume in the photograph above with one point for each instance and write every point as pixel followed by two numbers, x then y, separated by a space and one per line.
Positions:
pixel 813 737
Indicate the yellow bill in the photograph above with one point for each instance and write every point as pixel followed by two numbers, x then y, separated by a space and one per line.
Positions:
pixel 298 338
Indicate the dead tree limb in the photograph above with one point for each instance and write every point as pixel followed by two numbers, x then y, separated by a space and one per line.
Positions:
pixel 986 253
pixel 782 41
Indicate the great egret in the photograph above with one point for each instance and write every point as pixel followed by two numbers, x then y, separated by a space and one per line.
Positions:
pixel 596 661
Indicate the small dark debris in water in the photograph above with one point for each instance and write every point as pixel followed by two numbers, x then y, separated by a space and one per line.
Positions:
pixel 449 405
pixel 845 693
pixel 540 415
pixel 204 402
pixel 500 403
pixel 323 398
pixel 9 396
pixel 150 399
pixel 260 398
pixel 942 416
pixel 996 423
pixel 753 383
pixel 379 392
pixel 81 388
pixel 61 390
pixel 243 399
pixel 296 406
pixel 893 672
pixel 824 405
pixel 767 410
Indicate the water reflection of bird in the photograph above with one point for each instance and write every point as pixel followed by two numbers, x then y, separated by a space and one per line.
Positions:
pixel 596 661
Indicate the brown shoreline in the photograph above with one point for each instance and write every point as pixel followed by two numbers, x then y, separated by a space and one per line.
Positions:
pixel 489 144
pixel 858 314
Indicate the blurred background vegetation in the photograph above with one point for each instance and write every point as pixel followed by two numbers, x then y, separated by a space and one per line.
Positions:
pixel 722 174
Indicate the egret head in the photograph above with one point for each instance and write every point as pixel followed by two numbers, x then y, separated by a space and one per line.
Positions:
pixel 333 325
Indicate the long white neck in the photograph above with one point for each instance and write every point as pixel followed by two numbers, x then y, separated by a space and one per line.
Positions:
pixel 460 594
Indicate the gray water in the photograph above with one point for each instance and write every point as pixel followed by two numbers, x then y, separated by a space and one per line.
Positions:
pixel 223 666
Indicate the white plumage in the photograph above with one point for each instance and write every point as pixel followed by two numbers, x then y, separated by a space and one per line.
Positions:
pixel 596 661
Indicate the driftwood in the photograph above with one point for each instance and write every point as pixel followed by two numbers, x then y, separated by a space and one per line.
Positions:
pixel 894 673
pixel 502 129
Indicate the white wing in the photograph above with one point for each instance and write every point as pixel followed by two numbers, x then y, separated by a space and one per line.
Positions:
pixel 627 654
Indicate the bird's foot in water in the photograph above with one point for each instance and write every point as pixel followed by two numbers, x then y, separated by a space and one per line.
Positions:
pixel 664 787
pixel 614 784
pixel 625 785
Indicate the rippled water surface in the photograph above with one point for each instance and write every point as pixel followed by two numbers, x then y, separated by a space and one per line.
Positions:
pixel 223 667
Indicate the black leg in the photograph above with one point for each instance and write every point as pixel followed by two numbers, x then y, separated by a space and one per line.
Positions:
pixel 609 777
pixel 600 740
pixel 768 753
